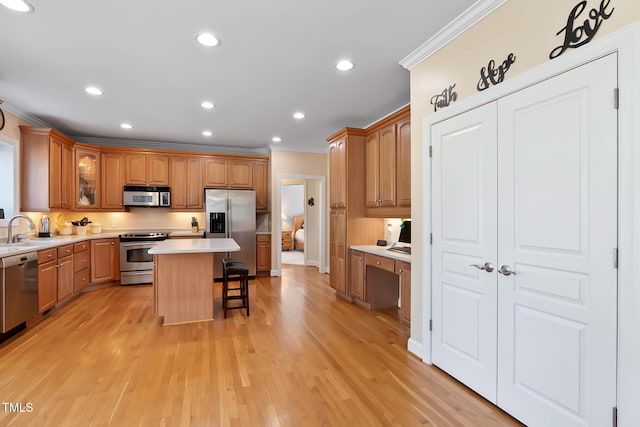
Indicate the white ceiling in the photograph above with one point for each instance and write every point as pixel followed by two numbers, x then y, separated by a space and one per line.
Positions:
pixel 275 57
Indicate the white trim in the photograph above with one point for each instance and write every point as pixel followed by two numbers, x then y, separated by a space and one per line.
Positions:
pixel 626 42
pixel 28 117
pixel 467 19
pixel 415 347
pixel 276 224
pixel 323 150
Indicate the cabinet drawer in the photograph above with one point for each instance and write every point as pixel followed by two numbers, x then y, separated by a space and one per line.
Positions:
pixel 65 250
pixel 81 279
pixel 80 247
pixel 263 238
pixel 81 261
pixel 379 262
pixel 47 255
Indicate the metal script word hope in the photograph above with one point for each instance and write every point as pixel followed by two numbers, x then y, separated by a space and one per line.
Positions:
pixel 576 35
pixel 490 75
pixel 445 98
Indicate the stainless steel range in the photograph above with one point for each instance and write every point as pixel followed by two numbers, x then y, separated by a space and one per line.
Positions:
pixel 136 264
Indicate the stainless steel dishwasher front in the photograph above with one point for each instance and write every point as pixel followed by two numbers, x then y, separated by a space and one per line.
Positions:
pixel 19 297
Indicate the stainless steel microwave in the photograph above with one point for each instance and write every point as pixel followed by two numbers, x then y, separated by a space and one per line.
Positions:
pixel 149 197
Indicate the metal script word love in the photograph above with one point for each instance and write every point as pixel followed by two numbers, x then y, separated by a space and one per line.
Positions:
pixel 578 35
pixel 490 75
pixel 445 98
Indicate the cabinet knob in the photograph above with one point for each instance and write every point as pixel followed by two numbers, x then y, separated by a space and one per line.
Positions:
pixel 378 262
pixel 401 271
pixel 113 243
pixel 50 255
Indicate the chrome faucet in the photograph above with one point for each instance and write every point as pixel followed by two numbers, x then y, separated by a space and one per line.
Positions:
pixel 10 237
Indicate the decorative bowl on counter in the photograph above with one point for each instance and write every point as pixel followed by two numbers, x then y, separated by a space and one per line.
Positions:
pixel 81 229
pixel 65 230
pixel 96 228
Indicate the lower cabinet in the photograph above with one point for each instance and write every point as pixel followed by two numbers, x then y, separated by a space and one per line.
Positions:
pixel 81 265
pixel 403 270
pixel 104 260
pixel 357 275
pixel 263 254
pixel 47 279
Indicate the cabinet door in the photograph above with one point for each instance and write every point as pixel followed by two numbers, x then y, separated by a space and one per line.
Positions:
pixel 87 179
pixel 403 163
pixel 135 169
pixel 194 183
pixel 157 170
pixel 102 260
pixel 387 166
pixel 263 252
pixel 337 173
pixel 55 170
pixel 178 182
pixel 372 166
pixel 47 285
pixel 261 184
pixel 241 174
pixel 337 265
pixel 333 174
pixel 112 180
pixel 65 277
pixel 216 173
pixel 66 177
pixel 357 275
pixel 403 269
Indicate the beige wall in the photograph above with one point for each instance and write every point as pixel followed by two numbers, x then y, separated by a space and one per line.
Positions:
pixel 298 164
pixel 522 27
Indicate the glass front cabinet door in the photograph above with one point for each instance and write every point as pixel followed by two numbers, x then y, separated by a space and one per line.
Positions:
pixel 87 173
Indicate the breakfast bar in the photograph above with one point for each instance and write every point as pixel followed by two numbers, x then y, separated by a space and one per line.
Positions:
pixel 183 278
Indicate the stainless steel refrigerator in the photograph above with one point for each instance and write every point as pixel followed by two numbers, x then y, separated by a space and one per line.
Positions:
pixel 232 213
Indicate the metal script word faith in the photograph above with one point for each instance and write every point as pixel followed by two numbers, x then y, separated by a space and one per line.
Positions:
pixel 445 98
pixel 576 36
pixel 490 75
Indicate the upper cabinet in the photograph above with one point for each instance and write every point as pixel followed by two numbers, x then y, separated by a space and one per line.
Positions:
pixel 112 180
pixel 146 169
pixel 261 184
pixel 87 179
pixel 46 160
pixel 241 174
pixel 229 173
pixel 186 183
pixel 216 173
pixel 338 173
pixel 388 167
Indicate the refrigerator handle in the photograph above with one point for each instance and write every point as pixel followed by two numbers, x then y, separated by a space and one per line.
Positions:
pixel 228 217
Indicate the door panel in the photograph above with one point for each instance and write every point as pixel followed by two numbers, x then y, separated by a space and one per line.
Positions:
pixel 557 216
pixel 464 192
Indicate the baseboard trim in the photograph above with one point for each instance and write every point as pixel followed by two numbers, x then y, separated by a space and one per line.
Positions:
pixel 415 347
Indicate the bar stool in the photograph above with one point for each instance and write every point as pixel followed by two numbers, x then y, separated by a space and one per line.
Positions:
pixel 232 271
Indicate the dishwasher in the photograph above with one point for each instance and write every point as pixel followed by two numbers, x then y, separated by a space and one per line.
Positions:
pixel 19 296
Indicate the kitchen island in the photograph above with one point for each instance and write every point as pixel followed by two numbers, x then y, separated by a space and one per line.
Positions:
pixel 183 274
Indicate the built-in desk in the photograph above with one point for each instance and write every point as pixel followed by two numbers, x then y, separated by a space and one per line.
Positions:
pixel 381 279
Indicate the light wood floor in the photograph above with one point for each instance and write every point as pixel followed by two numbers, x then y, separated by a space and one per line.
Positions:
pixel 303 358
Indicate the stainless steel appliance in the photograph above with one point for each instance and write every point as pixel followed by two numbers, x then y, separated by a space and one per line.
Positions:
pixel 148 197
pixel 136 264
pixel 19 296
pixel 232 213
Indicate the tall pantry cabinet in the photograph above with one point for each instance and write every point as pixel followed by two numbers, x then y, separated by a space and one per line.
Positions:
pixel 347 222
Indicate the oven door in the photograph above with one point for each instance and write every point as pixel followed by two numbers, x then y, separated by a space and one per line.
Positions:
pixel 136 264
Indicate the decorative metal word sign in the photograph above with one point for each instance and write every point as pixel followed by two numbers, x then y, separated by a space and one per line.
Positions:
pixel 576 35
pixel 445 98
pixel 490 75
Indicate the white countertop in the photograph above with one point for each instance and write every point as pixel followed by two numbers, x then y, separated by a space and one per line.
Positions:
pixel 186 246
pixel 39 243
pixel 382 251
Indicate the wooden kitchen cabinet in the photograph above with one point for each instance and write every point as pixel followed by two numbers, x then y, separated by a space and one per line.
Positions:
pixel 241 174
pixel 65 277
pixel 337 252
pixel 47 279
pixel 261 184
pixel 337 173
pixel 46 169
pixel 81 265
pixel 356 267
pixel 403 269
pixel 112 180
pixel 104 260
pixel 403 161
pixel 86 179
pixel 146 169
pixel 263 254
pixel 186 183
pixel 216 173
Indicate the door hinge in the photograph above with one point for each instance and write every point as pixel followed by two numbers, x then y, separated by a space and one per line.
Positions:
pixel 430 324
pixel 615 257
pixel 431 238
pixel 431 151
pixel 616 98
pixel 615 417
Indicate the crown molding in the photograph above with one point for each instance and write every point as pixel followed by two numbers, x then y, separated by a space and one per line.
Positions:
pixel 160 145
pixel 299 149
pixel 23 115
pixel 467 19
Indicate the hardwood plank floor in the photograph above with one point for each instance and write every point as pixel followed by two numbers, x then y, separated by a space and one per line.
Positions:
pixel 303 358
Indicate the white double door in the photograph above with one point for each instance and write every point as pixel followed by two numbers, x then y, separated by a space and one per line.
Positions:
pixel 528 183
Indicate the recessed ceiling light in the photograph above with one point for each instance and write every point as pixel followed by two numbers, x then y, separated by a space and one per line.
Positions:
pixel 276 139
pixel 299 115
pixel 126 126
pixel 344 65
pixel 93 90
pixel 208 105
pixel 17 5
pixel 207 133
pixel 207 39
